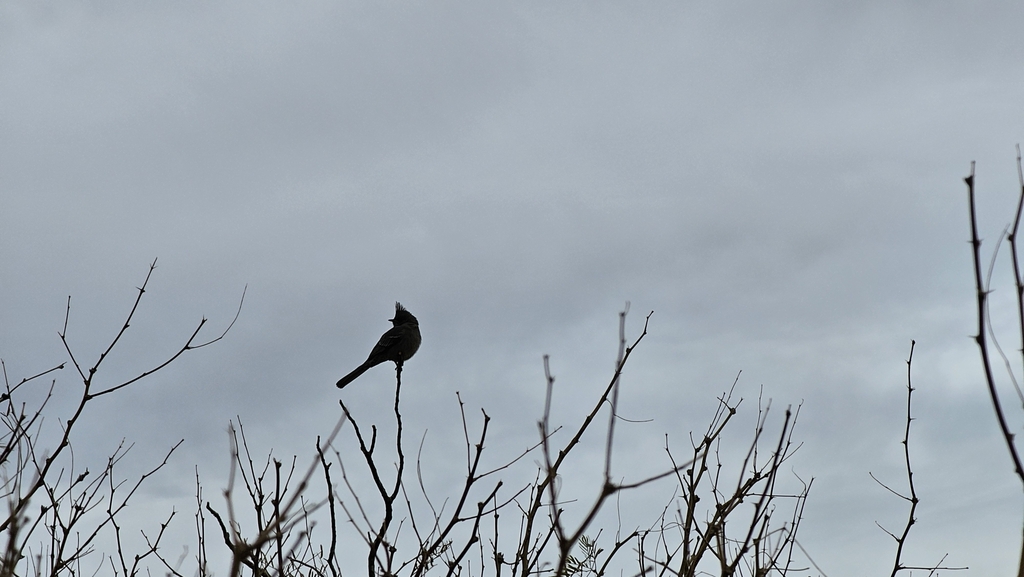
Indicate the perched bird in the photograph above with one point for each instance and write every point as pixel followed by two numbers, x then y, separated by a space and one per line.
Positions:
pixel 398 344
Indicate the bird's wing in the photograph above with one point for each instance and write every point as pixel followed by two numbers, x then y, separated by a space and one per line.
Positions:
pixel 389 338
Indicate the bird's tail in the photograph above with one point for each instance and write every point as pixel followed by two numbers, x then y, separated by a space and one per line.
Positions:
pixel 353 375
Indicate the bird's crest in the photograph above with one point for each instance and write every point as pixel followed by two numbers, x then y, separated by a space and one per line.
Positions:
pixel 402 316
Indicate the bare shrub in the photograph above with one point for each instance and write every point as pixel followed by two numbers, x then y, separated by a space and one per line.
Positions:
pixel 714 524
pixel 58 507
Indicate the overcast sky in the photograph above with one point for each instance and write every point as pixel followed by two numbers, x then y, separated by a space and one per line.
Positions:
pixel 780 182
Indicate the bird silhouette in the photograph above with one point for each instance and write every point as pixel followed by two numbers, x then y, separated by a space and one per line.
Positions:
pixel 398 344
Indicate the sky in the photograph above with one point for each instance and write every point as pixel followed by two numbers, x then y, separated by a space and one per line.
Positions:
pixel 780 183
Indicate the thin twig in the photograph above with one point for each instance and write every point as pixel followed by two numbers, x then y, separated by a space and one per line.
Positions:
pixel 982 295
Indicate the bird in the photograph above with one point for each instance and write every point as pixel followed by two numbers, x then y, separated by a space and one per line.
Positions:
pixel 398 344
